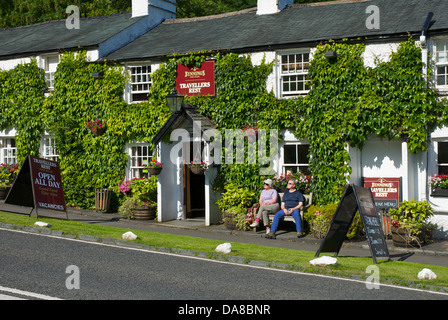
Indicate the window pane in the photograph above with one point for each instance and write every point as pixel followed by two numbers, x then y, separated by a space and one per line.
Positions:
pixel 303 153
pixel 290 153
pixel 442 157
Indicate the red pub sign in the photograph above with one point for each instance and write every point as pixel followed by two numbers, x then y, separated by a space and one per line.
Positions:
pixel 192 81
pixel 386 193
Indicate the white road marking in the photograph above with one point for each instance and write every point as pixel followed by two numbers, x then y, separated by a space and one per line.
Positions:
pixel 24 293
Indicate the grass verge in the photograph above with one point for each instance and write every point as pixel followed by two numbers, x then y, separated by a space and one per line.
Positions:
pixel 397 272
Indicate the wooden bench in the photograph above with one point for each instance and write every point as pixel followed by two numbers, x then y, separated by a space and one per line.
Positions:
pixel 308 197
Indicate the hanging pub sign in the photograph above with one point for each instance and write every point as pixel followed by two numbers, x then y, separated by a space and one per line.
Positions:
pixel 355 199
pixel 38 185
pixel 193 81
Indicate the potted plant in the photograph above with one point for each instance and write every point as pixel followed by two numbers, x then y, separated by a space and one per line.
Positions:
pixel 141 199
pixel 154 167
pixel 97 127
pixel 439 185
pixel 198 167
pixel 233 204
pixel 302 181
pixel 410 223
pixel 7 175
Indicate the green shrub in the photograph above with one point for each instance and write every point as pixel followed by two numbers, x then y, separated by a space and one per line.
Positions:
pixel 319 217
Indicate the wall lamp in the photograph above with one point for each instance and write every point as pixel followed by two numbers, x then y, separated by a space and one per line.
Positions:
pixel 331 55
pixel 97 75
pixel 174 101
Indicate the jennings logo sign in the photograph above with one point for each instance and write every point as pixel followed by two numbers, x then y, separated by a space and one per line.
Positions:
pixel 194 81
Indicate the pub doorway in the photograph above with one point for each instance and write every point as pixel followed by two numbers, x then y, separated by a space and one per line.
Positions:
pixel 194 185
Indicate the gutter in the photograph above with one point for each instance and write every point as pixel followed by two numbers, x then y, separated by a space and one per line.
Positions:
pixel 424 43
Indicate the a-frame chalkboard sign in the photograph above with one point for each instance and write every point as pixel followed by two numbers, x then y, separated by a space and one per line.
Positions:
pixel 38 186
pixel 355 199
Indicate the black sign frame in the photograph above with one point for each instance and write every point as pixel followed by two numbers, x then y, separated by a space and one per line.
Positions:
pixel 355 199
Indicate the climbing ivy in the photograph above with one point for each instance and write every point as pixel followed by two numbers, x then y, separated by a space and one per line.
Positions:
pixel 21 99
pixel 348 102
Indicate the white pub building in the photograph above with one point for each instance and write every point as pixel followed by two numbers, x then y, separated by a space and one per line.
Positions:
pixel 277 30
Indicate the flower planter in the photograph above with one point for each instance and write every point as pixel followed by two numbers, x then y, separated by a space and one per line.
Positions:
pixel 281 189
pixel 197 170
pixel 402 239
pixel 154 171
pixel 98 132
pixel 4 192
pixel 147 212
pixel 229 222
pixel 439 192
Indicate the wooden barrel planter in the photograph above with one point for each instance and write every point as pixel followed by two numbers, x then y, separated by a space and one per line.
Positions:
pixel 229 222
pixel 402 239
pixel 4 192
pixel 154 171
pixel 145 212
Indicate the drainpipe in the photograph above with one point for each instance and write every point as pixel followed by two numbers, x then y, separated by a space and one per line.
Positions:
pixel 423 41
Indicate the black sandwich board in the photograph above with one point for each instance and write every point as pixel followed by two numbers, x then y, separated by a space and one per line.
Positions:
pixel 355 199
pixel 38 185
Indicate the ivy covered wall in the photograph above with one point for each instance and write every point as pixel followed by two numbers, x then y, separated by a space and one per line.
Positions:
pixel 347 103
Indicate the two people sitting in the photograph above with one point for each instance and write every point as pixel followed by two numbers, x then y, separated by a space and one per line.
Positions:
pixel 292 201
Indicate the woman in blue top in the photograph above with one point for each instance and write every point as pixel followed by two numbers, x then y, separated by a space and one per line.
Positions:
pixel 292 201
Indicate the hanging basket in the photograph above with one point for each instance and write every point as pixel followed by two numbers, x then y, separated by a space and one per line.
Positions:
pixel 197 170
pixel 154 171
pixel 98 131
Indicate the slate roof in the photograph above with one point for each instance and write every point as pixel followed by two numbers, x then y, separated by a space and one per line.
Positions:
pixel 53 35
pixel 295 26
pixel 190 114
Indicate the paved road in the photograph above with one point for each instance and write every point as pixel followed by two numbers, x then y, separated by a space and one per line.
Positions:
pixel 48 266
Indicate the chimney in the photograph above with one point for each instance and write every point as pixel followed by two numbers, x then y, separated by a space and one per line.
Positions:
pixel 272 6
pixel 142 8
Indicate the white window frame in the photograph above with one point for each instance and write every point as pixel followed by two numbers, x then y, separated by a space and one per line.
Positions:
pixel 292 67
pixel 444 164
pixel 138 154
pixel 440 60
pixel 8 149
pixel 50 68
pixel 139 79
pixel 297 164
pixel 48 148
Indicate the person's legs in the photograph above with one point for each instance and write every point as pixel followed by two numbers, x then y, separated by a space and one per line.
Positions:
pixel 268 209
pixel 297 219
pixel 278 216
pixel 258 217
